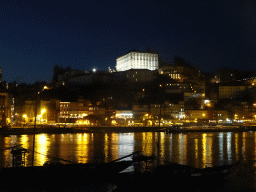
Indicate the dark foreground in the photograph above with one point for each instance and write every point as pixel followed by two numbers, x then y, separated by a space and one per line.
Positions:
pixel 240 178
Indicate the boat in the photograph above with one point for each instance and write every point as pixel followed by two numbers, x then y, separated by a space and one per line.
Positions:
pixel 179 176
pixel 60 176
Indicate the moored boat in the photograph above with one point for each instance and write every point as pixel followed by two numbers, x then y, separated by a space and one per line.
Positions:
pixel 174 173
pixel 60 176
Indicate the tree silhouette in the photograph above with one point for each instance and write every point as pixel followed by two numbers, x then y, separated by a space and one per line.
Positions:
pixel 56 72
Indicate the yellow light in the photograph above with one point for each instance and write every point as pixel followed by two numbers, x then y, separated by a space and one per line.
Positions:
pixel 42 111
pixel 25 116
pixel 203 114
pixel 45 87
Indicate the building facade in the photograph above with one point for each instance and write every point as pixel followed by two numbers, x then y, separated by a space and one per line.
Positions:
pixel 139 75
pixel 5 108
pixel 229 91
pixel 137 60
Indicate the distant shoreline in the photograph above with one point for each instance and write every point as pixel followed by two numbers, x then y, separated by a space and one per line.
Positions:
pixel 54 130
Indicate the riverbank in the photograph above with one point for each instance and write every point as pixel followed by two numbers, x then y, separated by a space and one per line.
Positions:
pixel 54 130
pixel 210 129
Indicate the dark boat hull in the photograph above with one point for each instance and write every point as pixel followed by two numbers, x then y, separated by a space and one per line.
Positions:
pixel 181 176
pixel 59 177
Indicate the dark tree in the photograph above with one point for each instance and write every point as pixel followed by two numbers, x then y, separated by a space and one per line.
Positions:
pixel 56 72
pixel 178 61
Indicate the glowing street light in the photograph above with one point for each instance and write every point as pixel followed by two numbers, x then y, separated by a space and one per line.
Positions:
pixel 42 111
pixel 25 116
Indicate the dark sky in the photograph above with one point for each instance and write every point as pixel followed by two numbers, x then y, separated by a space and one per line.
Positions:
pixel 36 35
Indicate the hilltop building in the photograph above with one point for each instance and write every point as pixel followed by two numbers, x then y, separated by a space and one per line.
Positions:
pixel 137 60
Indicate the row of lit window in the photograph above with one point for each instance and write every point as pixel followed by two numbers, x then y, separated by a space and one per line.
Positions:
pixel 172 84
pixel 122 63
pixel 137 56
pixel 141 64
pixel 73 115
pixel 144 65
pixel 63 105
pixel 197 111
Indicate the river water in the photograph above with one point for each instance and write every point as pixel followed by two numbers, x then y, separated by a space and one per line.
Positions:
pixel 199 150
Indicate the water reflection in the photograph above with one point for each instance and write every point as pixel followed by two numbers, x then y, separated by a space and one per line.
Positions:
pixel 125 144
pixel 82 141
pixel 221 152
pixel 236 146
pixel 195 149
pixel 196 152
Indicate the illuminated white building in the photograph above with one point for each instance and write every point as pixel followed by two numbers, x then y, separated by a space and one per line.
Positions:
pixel 137 60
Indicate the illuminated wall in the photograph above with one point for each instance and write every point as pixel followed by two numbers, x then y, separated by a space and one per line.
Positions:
pixel 137 60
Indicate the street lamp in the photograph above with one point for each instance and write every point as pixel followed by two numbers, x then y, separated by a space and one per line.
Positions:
pixel 42 112
pixel 25 116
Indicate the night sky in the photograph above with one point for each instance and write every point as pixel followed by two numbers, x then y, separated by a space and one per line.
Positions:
pixel 83 34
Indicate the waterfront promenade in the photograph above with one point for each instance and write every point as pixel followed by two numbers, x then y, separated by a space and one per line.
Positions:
pixel 177 129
